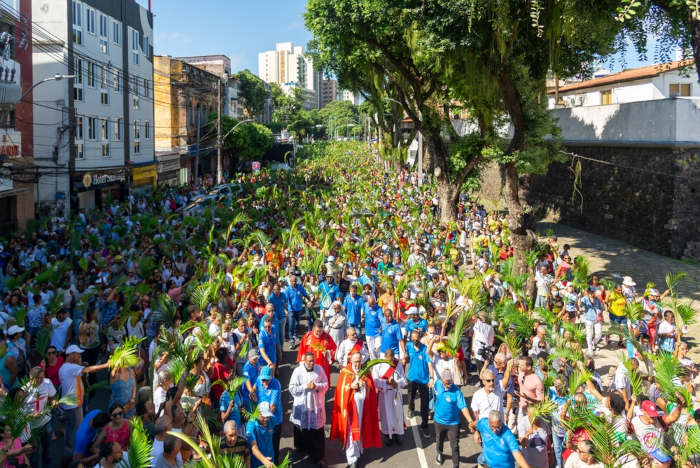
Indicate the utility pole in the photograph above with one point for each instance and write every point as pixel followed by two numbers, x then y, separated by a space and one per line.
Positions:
pixel 196 160
pixel 218 133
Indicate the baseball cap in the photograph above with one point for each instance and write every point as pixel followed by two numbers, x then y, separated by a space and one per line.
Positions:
pixel 74 349
pixel 412 310
pixel 14 329
pixel 264 407
pixel 265 373
pixel 649 409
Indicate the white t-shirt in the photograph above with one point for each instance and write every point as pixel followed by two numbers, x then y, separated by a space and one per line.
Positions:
pixel 59 332
pixel 71 382
pixel 483 336
pixel 575 462
pixel 36 400
pixel 650 436
pixel 483 402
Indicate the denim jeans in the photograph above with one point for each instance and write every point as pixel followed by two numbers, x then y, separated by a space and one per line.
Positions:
pixel 559 445
pixel 294 317
pixel 280 331
pixel 73 418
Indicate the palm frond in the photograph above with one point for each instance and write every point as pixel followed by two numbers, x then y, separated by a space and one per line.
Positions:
pixel 686 314
pixel 634 311
pixel 542 410
pixel 140 447
pixel 512 342
pixel 674 279
pixel 635 379
pixel 454 340
pixel 367 368
pixel 167 308
pixel 126 355
pixel 576 379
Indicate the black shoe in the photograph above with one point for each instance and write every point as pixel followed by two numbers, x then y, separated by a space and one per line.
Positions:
pixel 397 440
pixel 388 441
pixel 424 431
pixel 439 459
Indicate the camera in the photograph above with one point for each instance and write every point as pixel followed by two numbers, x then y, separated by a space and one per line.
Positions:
pixel 487 352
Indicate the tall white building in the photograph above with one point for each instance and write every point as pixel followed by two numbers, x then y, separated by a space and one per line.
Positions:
pixel 101 121
pixel 288 65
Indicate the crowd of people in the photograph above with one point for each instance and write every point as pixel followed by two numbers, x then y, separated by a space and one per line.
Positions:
pixel 182 320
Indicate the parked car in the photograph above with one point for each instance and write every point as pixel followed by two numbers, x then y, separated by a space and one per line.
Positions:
pixel 199 206
pixel 226 190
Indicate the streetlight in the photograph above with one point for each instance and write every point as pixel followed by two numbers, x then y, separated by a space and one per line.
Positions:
pixel 56 77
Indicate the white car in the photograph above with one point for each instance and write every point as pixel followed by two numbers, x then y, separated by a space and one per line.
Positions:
pixel 226 190
pixel 200 206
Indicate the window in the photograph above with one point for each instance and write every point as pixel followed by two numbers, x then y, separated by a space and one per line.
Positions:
pixel 77 23
pixel 679 89
pixel 104 74
pixel 92 128
pixel 606 97
pixel 118 130
pixel 145 47
pixel 105 149
pixel 147 129
pixel 79 151
pixel 137 129
pixel 104 98
pixel 117 81
pixel 104 26
pixel 104 45
pixel 90 23
pixel 116 33
pixel 146 86
pixel 79 128
pixel 91 74
pixel 104 127
pixel 136 102
pixel 137 147
pixel 78 80
pixel 135 46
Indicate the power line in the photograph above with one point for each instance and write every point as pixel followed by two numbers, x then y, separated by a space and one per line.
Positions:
pixel 632 168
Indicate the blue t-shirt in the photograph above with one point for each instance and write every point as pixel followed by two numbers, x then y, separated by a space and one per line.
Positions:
pixel 591 308
pixel 373 320
pixel 262 436
pixel 294 297
pixel 328 292
pixel 391 334
pixel 235 414
pixel 418 368
pixel 250 372
pixel 279 303
pixel 85 435
pixel 353 309
pixel 498 448
pixel 449 402
pixel 273 395
pixel 268 342
pixel 421 325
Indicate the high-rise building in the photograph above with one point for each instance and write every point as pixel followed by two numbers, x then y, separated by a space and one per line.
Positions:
pixel 329 92
pixel 347 95
pixel 288 64
pixel 99 123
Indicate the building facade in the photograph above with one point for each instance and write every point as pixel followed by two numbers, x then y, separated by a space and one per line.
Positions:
pixel 329 92
pixel 17 166
pixel 220 65
pixel 100 122
pixel 288 64
pixel 187 96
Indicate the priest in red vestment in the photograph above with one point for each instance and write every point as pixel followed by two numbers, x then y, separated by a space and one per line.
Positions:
pixel 355 411
pixel 321 344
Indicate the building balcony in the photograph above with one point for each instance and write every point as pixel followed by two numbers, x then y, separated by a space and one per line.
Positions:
pixel 663 122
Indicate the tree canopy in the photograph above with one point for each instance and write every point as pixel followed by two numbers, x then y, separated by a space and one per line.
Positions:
pixel 253 92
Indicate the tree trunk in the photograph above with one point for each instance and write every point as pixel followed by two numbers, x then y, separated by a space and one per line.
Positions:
pixel 695 43
pixel 447 198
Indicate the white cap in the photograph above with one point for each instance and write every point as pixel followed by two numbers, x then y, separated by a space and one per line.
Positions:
pixel 74 349
pixel 14 329
pixel 264 408
pixel 412 310
pixel 627 281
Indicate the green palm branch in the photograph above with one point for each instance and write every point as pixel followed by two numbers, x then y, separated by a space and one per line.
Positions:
pixel 231 386
pixel 635 379
pixel 43 338
pixel 667 369
pixel 576 379
pixel 686 314
pixel 674 279
pixel 126 355
pixel 140 447
pixel 167 308
pixel 201 295
pixel 580 272
pixel 454 339
pixel 542 410
pixel 634 311
pixel 513 343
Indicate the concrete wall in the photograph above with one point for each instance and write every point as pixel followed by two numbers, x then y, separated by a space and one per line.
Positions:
pixel 656 122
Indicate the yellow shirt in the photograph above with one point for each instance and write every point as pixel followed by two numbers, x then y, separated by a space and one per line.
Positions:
pixel 617 304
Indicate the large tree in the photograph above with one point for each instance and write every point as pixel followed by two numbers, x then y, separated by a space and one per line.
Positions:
pixel 253 92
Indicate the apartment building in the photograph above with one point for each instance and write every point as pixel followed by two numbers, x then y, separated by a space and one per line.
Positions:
pixel 100 122
pixel 288 65
pixel 17 171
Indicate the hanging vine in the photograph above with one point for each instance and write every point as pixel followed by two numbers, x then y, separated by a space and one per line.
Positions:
pixel 576 190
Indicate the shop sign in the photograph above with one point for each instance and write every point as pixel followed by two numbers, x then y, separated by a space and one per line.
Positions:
pixel 10 146
pixel 101 179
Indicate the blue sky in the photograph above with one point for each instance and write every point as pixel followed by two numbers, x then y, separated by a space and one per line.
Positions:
pixel 236 28
pixel 242 28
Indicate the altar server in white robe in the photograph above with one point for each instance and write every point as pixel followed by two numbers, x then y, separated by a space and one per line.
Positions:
pixel 389 381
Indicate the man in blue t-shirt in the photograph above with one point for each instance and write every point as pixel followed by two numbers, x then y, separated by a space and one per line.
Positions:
pixel 414 321
pixel 392 338
pixel 86 434
pixel 295 294
pixel 267 343
pixel 353 308
pixel 268 389
pixel 373 327
pixel 279 303
pixel 449 403
pixel 500 447
pixel 419 376
pixel 251 369
pixel 259 435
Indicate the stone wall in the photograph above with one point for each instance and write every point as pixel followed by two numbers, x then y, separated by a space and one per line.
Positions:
pixel 649 197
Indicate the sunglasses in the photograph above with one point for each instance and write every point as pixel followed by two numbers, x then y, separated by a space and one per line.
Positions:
pixel 488 380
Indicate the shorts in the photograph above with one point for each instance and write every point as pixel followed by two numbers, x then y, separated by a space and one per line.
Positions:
pixel 618 319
